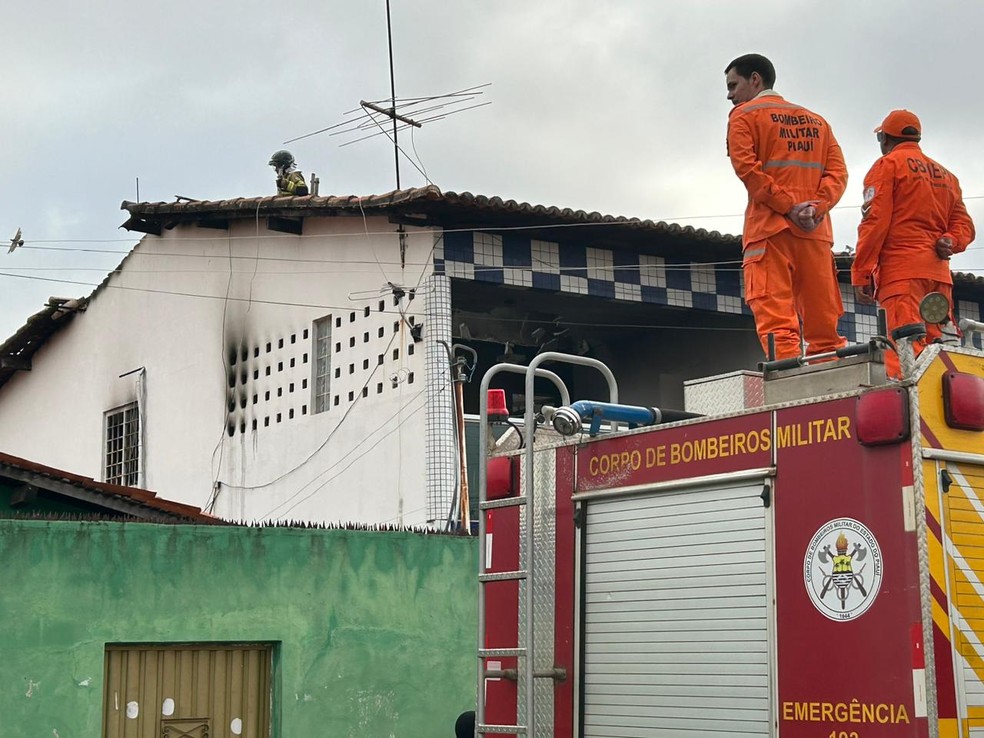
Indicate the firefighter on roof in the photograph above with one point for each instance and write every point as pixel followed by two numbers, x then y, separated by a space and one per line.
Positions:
pixel 913 220
pixel 289 180
pixel 791 165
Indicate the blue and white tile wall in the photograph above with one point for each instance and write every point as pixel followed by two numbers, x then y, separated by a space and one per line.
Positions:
pixel 859 322
pixel 622 274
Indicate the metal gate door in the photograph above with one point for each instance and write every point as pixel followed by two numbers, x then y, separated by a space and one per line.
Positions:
pixel 676 615
pixel 194 691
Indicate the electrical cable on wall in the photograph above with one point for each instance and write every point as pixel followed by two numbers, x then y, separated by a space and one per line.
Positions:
pixel 403 316
pixel 256 266
pixel 324 443
pixel 324 482
pixel 403 321
pixel 220 446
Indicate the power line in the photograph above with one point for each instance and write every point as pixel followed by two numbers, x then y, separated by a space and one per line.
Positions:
pixel 410 234
pixel 285 303
pixel 600 272
pixel 604 273
pixel 546 266
pixel 742 215
pixel 669 221
pixel 131 270
pixel 182 294
pixel 554 268
pixel 423 169
pixel 425 230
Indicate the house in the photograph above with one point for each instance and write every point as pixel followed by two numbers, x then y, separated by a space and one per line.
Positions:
pixel 31 490
pixel 122 628
pixel 130 614
pixel 288 358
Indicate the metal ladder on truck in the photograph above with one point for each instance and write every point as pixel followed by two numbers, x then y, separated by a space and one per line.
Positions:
pixel 528 659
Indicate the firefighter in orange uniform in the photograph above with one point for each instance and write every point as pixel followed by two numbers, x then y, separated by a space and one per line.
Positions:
pixel 912 221
pixel 791 165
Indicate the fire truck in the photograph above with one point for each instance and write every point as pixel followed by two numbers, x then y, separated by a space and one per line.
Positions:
pixel 799 554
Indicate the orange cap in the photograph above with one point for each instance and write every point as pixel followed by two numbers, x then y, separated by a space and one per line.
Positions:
pixel 897 121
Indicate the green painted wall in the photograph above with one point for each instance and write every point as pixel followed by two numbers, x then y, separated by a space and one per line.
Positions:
pixel 376 629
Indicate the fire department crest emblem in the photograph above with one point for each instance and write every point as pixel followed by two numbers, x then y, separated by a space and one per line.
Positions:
pixel 842 569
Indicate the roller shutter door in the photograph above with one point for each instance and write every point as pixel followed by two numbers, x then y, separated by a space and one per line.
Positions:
pixel 676 635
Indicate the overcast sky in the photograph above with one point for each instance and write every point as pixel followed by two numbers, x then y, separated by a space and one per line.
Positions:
pixel 616 106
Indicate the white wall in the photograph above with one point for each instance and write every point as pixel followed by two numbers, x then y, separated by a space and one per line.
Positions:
pixel 197 306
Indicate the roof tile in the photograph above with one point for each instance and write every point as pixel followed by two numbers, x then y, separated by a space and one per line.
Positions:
pixel 136 495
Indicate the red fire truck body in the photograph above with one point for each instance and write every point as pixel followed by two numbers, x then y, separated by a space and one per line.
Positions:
pixel 810 569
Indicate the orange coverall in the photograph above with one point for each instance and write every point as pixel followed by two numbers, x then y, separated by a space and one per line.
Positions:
pixel 910 202
pixel 785 155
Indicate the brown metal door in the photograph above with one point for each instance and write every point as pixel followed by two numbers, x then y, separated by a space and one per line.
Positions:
pixel 189 691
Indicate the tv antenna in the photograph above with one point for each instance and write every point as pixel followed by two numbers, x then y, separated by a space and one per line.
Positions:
pixel 371 115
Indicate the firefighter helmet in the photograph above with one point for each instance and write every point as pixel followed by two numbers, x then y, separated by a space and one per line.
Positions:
pixel 282 158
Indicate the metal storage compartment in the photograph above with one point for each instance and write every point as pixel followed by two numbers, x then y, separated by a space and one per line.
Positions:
pixel 676 634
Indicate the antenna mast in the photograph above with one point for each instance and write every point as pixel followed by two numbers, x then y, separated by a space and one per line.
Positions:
pixel 392 111
pixel 433 107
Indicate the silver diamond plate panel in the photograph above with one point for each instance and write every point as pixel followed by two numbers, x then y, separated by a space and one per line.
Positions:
pixel 524 564
pixel 497 729
pixel 723 393
pixel 505 652
pixel 541 504
pixel 544 581
pixel 502 576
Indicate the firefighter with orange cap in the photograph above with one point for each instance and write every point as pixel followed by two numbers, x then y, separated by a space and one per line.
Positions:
pixel 913 220
pixel 794 171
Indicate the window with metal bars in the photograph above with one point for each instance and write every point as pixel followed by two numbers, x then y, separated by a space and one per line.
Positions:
pixel 321 389
pixel 123 446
